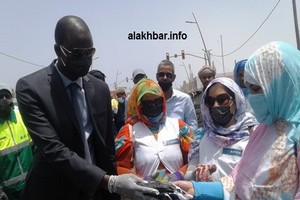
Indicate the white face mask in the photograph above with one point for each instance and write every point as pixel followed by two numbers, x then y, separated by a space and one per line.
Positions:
pixel 121 100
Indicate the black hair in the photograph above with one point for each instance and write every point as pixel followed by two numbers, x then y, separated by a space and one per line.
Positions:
pixel 98 74
pixel 229 91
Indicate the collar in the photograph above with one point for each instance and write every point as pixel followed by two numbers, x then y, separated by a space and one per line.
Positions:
pixel 174 94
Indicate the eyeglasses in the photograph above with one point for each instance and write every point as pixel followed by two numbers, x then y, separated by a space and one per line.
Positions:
pixel 152 103
pixel 222 100
pixel 78 52
pixel 163 74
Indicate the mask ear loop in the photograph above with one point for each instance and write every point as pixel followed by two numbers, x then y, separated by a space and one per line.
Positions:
pixel 62 61
pixel 235 107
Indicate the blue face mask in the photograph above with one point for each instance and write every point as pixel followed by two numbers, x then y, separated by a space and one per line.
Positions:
pixel 260 107
pixel 121 100
pixel 155 119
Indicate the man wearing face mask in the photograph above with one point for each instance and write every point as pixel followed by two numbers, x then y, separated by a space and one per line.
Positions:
pixel 179 104
pixel 68 115
pixel 15 149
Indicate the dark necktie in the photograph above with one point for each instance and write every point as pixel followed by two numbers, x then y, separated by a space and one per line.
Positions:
pixel 77 99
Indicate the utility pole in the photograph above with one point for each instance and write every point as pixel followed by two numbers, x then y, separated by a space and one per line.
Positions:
pixel 222 55
pixel 296 24
pixel 116 83
pixel 205 49
pixel 187 74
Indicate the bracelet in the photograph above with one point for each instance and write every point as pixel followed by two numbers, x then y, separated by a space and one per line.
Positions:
pixel 179 175
pixel 111 183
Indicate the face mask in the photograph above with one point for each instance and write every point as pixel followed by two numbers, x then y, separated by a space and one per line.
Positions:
pixel 260 108
pixel 151 111
pixel 155 119
pixel 75 68
pixel 121 100
pixel 221 115
pixel 165 85
pixel 6 106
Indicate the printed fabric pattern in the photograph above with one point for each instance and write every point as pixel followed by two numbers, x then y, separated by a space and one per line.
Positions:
pixel 273 172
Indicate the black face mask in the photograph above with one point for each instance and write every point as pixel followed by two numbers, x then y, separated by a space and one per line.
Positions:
pixel 152 108
pixel 76 68
pixel 221 115
pixel 6 106
pixel 151 112
pixel 165 85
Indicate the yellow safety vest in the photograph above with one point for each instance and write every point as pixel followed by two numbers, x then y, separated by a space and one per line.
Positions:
pixel 15 155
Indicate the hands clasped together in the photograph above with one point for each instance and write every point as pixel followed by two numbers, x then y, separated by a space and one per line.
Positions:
pixel 204 172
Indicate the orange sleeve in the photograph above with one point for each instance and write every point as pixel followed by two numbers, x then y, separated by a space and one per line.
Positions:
pixel 186 136
pixel 183 169
pixel 124 150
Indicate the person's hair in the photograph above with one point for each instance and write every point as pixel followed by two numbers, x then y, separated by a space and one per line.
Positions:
pixel 98 74
pixel 166 63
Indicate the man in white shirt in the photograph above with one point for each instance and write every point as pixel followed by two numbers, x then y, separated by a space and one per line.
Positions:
pixel 179 104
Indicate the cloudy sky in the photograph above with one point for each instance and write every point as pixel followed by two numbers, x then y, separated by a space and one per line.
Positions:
pixel 27 33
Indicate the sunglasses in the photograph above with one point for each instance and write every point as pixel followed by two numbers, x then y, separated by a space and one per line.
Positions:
pixel 163 74
pixel 152 103
pixel 222 100
pixel 78 52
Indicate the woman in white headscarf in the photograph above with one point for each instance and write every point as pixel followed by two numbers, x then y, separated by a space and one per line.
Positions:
pixel 227 127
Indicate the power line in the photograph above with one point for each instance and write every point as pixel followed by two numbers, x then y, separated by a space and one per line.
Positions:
pixel 31 63
pixel 252 34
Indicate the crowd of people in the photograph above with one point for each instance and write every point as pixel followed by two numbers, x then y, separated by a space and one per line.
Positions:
pixel 69 138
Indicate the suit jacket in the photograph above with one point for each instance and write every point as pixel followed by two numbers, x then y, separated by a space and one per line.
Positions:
pixel 58 171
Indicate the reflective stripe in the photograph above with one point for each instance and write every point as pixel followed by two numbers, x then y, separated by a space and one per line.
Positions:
pixel 14 180
pixel 14 148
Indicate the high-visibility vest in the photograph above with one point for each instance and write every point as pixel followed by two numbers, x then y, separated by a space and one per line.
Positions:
pixel 15 155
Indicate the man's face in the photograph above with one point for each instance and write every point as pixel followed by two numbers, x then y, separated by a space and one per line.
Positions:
pixel 75 54
pixel 206 78
pixel 138 77
pixel 4 94
pixel 121 95
pixel 240 78
pixel 77 60
pixel 6 104
pixel 165 74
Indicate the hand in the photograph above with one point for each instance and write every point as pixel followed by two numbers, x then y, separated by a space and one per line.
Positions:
pixel 187 186
pixel 127 186
pixel 204 172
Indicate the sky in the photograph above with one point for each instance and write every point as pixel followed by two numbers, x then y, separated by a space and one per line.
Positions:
pixel 27 34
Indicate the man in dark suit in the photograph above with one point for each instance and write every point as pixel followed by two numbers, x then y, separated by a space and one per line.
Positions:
pixel 75 158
